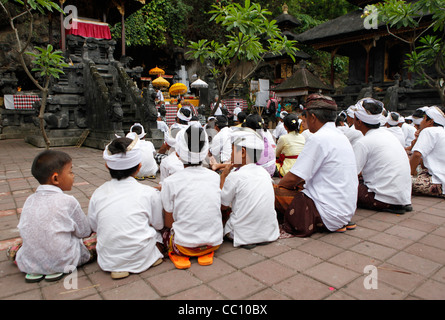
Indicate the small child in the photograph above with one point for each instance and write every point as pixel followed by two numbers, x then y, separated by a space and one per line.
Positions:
pixel 192 203
pixel 149 167
pixel 126 214
pixel 249 191
pixel 52 224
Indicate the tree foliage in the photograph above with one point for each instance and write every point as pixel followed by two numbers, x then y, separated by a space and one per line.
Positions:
pixel 426 20
pixel 48 62
pixel 155 23
pixel 249 35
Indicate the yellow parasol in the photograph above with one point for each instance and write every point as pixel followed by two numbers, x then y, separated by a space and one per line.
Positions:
pixel 177 89
pixel 156 71
pixel 160 82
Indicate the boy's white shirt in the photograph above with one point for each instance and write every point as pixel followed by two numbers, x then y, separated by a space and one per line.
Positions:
pixel 249 191
pixel 52 225
pixel 126 216
pixel 193 196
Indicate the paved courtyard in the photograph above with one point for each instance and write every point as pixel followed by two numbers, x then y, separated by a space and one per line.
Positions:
pixel 406 253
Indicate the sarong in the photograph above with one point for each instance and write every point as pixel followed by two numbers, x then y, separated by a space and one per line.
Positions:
pixel 423 185
pixel 298 212
pixel 366 200
pixel 168 237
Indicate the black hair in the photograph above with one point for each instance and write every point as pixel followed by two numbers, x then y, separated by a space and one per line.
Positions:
pixel 137 130
pixel 242 116
pixel 254 121
pixel 395 117
pixel 435 124
pixel 186 112
pixel 418 113
pixel 120 145
pixel 341 117
pixel 221 121
pixel 291 122
pixel 48 162
pixel 323 115
pixel 195 139
pixel 373 108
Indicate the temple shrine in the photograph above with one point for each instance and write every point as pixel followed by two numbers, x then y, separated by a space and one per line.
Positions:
pixel 376 61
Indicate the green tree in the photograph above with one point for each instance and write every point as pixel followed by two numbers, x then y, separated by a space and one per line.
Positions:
pixel 156 23
pixel 427 45
pixel 249 36
pixel 47 62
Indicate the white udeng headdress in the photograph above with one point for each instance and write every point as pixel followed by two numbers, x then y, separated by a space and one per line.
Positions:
pixel 248 138
pixel 436 114
pixel 362 114
pixel 142 135
pixel 182 149
pixel 123 161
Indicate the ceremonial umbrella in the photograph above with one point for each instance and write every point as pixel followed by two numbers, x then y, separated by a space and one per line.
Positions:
pixel 156 71
pixel 160 82
pixel 199 84
pixel 177 89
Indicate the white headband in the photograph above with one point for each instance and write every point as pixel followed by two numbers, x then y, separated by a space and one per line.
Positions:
pixel 123 161
pixel 283 114
pixel 350 111
pixel 390 120
pixel 363 115
pixel 142 135
pixel 248 138
pixel 417 121
pixel 182 149
pixel 181 116
pixel 436 114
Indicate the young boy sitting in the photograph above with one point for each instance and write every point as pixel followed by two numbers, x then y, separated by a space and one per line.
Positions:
pixel 125 214
pixel 192 203
pixel 52 224
pixel 149 167
pixel 249 191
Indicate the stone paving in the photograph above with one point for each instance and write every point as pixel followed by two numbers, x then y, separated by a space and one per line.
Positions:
pixel 405 252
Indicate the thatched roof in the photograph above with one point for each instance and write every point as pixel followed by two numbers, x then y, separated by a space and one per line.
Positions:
pixel 302 79
pixel 347 24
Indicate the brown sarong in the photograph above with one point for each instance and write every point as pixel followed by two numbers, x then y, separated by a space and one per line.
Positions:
pixel 298 212
pixel 423 185
pixel 366 200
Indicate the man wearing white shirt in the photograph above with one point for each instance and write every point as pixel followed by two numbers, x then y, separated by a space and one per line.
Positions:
pixel 325 170
pixel 382 162
pixel 430 149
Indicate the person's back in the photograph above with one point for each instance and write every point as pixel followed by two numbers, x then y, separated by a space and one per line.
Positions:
pixel 253 220
pixel 196 206
pixel 384 165
pixel 125 214
pixel 331 180
pixel 431 144
pixel 52 223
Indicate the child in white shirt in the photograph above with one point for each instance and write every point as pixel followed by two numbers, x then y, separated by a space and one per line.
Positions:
pixel 248 190
pixel 126 214
pixel 191 199
pixel 52 224
pixel 149 167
